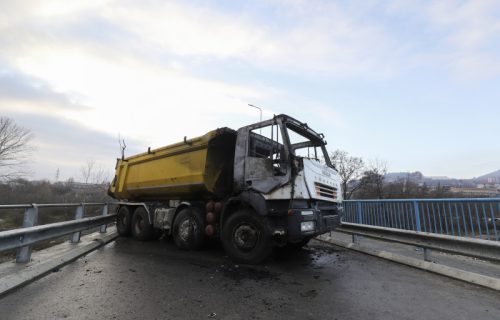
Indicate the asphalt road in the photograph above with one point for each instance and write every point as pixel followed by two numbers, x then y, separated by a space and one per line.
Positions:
pixel 132 280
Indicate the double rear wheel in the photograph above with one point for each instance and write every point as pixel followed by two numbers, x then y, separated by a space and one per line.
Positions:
pixel 135 222
pixel 142 229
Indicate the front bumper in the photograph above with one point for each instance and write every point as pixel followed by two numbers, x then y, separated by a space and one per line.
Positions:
pixel 300 220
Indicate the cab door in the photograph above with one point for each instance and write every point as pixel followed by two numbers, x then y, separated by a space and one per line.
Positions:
pixel 266 161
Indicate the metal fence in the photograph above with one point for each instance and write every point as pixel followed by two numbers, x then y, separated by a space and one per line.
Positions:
pixel 472 218
pixel 31 233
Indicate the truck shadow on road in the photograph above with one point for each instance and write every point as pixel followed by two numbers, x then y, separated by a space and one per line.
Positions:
pixel 309 259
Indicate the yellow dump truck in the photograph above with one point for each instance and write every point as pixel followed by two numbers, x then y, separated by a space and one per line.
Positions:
pixel 265 185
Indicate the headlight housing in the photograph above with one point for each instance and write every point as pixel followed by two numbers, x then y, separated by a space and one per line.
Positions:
pixel 306 226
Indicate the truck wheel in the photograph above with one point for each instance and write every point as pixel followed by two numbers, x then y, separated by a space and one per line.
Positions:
pixel 189 229
pixel 124 221
pixel 141 228
pixel 246 237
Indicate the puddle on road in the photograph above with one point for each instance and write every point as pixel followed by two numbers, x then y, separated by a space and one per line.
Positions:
pixel 315 257
pixel 324 256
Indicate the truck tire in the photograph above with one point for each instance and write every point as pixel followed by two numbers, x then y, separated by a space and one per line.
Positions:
pixel 189 229
pixel 246 237
pixel 141 228
pixel 124 221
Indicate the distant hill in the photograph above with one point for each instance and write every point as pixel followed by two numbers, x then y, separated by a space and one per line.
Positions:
pixel 394 176
pixel 495 174
pixel 418 177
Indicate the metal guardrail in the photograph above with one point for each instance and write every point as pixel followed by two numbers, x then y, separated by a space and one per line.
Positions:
pixel 469 218
pixel 478 248
pixel 463 226
pixel 30 233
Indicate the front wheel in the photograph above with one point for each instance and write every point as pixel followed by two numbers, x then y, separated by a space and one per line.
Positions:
pixel 246 237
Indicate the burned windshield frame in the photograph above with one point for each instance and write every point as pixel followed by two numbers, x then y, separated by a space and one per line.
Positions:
pixel 313 140
pixel 285 123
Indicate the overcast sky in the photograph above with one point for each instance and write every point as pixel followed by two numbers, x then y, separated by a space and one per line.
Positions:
pixel 414 83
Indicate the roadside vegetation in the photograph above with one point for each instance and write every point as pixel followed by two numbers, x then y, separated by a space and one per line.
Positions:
pixel 21 191
pixel 16 150
pixel 363 179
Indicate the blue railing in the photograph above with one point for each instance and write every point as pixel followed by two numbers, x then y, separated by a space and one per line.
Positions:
pixel 473 218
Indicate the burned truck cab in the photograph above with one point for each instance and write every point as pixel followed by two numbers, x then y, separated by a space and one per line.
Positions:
pixel 265 185
pixel 282 167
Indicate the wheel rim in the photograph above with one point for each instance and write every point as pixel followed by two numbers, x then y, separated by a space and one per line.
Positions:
pixel 246 236
pixel 186 228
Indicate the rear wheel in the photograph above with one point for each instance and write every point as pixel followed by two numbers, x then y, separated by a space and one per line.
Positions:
pixel 189 229
pixel 141 228
pixel 246 237
pixel 124 221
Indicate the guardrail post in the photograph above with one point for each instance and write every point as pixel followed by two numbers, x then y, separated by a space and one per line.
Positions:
pixel 417 216
pixel 80 210
pixel 30 219
pixel 427 254
pixel 360 213
pixel 104 213
pixel 355 239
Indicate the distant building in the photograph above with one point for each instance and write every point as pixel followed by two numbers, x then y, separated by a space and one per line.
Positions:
pixel 438 178
pixel 475 192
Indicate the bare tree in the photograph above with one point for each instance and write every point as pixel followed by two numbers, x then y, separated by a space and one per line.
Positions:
pixel 15 149
pixel 86 171
pixel 123 146
pixel 372 181
pixel 350 170
pixel 93 174
pixel 95 179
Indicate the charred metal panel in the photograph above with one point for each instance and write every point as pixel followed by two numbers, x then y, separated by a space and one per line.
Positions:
pixel 250 199
pixel 239 160
pixel 259 168
pixel 219 164
pixel 253 170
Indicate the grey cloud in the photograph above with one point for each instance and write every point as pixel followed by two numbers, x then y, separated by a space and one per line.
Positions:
pixel 16 85
pixel 68 145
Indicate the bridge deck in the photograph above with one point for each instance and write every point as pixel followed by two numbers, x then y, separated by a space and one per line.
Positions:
pixel 131 280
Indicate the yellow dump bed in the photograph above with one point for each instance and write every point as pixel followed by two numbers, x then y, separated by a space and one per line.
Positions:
pixel 192 169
